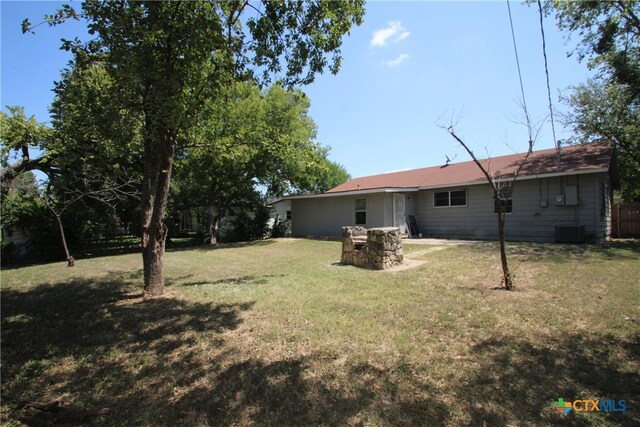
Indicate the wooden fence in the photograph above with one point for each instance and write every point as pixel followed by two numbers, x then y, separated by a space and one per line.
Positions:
pixel 625 220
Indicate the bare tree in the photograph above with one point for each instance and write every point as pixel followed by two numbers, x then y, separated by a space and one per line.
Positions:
pixel 103 190
pixel 502 187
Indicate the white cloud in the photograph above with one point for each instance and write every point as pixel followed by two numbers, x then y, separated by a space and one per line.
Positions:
pixel 394 32
pixel 395 62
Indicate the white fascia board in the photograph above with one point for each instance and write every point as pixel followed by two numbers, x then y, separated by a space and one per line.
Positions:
pixel 520 178
pixel 353 193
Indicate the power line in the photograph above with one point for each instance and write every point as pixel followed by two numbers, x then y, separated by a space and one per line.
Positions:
pixel 546 71
pixel 515 49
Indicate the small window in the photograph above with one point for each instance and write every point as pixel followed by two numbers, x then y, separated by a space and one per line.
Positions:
pixel 289 215
pixel 459 198
pixel 450 198
pixel 505 201
pixel 507 206
pixel 441 199
pixel 360 209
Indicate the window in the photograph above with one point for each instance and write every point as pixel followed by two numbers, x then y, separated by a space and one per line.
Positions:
pixel 506 202
pixel 360 209
pixel 450 198
pixel 289 215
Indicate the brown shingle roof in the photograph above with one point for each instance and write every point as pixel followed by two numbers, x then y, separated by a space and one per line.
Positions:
pixel 574 158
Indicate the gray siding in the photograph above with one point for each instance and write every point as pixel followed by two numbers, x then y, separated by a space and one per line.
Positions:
pixel 603 208
pixel 325 216
pixel 529 221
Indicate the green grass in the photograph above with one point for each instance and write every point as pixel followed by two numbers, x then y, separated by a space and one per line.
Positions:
pixel 277 333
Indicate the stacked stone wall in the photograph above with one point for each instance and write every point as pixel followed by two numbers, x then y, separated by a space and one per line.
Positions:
pixel 377 248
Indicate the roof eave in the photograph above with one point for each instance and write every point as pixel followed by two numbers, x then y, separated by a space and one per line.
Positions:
pixel 354 192
pixel 520 178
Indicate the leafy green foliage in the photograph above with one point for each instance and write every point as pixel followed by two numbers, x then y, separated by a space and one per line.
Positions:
pixel 607 110
pixel 23 211
pixel 326 175
pixel 610 36
pixel 172 59
pixel 19 135
pixel 607 106
pixel 249 226
pixel 249 144
pixel 95 132
pixel 21 206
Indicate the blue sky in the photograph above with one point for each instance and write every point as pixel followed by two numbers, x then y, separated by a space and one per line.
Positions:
pixel 409 66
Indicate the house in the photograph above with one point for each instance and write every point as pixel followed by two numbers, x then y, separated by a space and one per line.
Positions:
pixel 565 197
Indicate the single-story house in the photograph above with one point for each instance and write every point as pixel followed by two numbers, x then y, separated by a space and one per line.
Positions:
pixel 565 197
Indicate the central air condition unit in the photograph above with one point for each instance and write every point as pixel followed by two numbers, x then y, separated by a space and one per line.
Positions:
pixel 559 199
pixel 570 234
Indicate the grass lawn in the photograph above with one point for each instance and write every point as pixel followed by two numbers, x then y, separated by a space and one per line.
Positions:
pixel 277 333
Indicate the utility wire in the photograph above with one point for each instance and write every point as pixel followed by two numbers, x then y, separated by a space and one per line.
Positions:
pixel 546 71
pixel 515 49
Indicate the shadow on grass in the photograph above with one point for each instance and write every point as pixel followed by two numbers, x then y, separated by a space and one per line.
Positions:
pixel 241 280
pixel 96 343
pixel 516 381
pixel 222 246
pixel 562 252
pixel 99 342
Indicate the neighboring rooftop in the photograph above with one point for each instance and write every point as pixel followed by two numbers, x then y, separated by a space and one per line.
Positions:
pixel 592 157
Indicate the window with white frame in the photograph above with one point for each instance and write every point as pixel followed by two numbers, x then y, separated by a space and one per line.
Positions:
pixel 450 198
pixel 360 211
pixel 505 201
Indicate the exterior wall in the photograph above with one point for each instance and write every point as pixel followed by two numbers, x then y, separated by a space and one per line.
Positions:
pixel 529 220
pixel 325 216
pixel 603 208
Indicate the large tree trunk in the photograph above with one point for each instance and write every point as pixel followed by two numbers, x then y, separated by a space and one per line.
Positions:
pixel 70 261
pixel 157 177
pixel 213 226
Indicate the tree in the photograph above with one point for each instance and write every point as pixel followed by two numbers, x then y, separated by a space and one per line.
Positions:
pixel 22 209
pixel 96 134
pixel 265 145
pixel 607 106
pixel 58 198
pixel 501 188
pixel 19 136
pixel 326 175
pixel 605 109
pixel 174 56
pixel 610 36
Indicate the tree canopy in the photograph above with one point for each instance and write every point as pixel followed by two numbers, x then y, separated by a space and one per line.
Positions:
pixel 171 58
pixel 607 106
pixel 251 145
pixel 20 136
pixel 609 33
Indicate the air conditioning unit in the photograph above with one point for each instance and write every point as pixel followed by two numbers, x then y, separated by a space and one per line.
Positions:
pixel 570 234
pixel 559 199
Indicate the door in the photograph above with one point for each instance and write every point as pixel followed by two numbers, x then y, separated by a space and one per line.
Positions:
pixel 398 212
